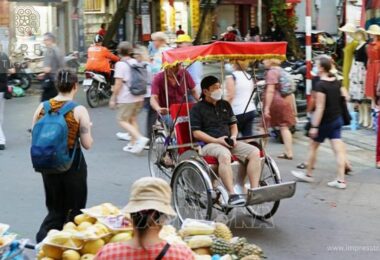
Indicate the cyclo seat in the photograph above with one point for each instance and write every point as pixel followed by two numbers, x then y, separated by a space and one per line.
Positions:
pixel 182 130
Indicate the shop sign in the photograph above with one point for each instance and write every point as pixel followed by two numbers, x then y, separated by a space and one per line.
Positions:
pixel 145 21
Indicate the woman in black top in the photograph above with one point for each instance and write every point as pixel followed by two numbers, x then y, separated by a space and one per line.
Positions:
pixel 327 122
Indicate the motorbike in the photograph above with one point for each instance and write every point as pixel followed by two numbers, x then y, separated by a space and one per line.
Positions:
pixel 22 78
pixel 97 88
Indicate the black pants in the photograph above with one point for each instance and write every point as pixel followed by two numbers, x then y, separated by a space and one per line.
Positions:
pixel 48 88
pixel 245 123
pixel 151 117
pixel 65 194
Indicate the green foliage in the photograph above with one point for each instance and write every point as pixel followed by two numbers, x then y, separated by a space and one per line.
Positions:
pixel 286 24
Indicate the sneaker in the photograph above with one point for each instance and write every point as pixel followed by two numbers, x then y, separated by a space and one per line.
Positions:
pixel 139 145
pixel 235 200
pixel 123 136
pixel 302 176
pixel 127 148
pixel 337 184
pixel 2 147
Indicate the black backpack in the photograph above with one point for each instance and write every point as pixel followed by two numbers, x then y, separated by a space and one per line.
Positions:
pixel 139 78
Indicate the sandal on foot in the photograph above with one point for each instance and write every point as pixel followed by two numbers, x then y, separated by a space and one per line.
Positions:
pixel 303 166
pixel 285 156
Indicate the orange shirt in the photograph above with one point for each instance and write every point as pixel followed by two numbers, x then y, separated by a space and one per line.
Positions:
pixel 99 58
pixel 72 124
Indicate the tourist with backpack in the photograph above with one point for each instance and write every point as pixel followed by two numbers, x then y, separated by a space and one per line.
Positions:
pixel 131 80
pixel 60 129
pixel 278 100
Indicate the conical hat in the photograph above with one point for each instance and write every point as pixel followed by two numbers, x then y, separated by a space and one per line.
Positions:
pixel 374 29
pixel 348 27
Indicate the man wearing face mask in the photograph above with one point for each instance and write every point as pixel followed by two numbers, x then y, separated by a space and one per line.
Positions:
pixel 214 123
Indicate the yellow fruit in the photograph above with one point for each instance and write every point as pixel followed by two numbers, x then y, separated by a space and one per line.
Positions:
pixel 121 237
pixel 40 255
pixel 69 226
pixel 84 225
pixel 70 255
pixel 87 257
pixel 100 229
pixel 92 247
pixel 52 251
pixel 47 258
pixel 82 218
pixel 60 238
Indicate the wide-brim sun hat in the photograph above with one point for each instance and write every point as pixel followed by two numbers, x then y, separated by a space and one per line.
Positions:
pixel 362 32
pixel 374 29
pixel 150 193
pixel 348 27
pixel 184 38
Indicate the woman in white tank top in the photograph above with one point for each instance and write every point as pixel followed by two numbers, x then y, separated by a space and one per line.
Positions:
pixel 239 88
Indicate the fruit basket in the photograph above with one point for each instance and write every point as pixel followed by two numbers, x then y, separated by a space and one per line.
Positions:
pixel 102 210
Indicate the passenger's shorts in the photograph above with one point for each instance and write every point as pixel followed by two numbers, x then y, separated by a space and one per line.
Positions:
pixel 332 130
pixel 128 110
pixel 241 150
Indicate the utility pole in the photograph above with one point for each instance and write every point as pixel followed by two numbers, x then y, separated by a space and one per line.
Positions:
pixel 308 48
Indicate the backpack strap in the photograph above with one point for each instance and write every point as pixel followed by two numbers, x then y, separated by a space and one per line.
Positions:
pixel 47 107
pixel 67 107
pixel 163 252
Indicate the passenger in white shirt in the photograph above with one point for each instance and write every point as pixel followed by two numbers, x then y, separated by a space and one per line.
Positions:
pixel 239 88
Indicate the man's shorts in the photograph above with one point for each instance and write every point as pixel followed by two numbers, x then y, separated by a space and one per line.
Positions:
pixel 127 111
pixel 332 130
pixel 242 150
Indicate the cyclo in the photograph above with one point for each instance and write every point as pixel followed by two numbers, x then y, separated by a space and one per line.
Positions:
pixel 176 157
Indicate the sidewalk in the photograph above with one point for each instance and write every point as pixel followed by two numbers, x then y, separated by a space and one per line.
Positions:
pixel 360 145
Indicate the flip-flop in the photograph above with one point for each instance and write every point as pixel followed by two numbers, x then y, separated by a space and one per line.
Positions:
pixel 285 156
pixel 303 166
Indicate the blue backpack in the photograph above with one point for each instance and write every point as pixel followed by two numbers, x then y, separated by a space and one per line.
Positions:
pixel 49 151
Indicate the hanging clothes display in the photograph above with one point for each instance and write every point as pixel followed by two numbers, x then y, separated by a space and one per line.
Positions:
pixel 373 68
pixel 358 73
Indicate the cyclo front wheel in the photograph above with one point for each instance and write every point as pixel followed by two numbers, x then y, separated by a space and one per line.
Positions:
pixel 156 153
pixel 191 194
pixel 269 176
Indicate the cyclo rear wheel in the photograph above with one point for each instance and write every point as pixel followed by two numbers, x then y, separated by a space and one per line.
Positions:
pixel 155 156
pixel 269 176
pixel 191 194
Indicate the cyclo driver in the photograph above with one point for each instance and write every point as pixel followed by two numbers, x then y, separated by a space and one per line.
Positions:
pixel 99 58
pixel 214 123
pixel 176 88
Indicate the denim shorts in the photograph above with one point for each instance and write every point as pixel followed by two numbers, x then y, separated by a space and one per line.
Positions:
pixel 332 130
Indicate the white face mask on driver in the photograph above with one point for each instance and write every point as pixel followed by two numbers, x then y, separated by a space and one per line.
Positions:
pixel 217 94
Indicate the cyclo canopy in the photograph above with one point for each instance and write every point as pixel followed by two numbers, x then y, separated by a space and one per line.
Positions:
pixel 220 51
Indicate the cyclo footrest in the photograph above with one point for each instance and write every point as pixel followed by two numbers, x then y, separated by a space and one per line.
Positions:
pixel 271 193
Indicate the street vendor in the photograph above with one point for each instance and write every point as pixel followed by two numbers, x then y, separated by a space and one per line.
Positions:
pixel 149 206
pixel 214 123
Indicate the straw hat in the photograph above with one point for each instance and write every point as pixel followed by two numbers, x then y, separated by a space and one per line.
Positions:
pixel 348 27
pixel 183 38
pixel 362 32
pixel 374 29
pixel 150 193
pixel 160 36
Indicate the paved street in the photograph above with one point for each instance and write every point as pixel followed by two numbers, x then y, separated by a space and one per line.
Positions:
pixel 318 223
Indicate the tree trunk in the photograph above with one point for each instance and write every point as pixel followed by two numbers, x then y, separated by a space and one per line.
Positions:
pixel 208 7
pixel 122 8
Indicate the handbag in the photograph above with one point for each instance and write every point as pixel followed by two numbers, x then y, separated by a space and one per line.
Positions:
pixel 163 252
pixel 345 114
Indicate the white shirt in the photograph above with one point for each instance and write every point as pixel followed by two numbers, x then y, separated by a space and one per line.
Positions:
pixel 123 71
pixel 243 91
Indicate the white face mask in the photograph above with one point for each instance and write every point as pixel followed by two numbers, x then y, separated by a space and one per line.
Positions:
pixel 217 94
